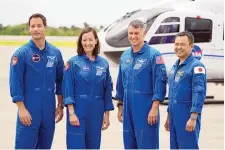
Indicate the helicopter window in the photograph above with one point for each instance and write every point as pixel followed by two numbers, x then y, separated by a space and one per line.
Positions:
pixel 171 19
pixel 173 28
pixel 121 40
pixel 162 39
pixel 127 15
pixel 200 28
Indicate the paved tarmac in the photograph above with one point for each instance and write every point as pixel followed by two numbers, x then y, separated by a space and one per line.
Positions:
pixel 212 131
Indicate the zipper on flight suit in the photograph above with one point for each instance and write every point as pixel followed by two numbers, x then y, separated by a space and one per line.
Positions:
pixel 175 73
pixel 132 74
pixel 131 85
pixel 42 54
pixel 44 84
pixel 92 75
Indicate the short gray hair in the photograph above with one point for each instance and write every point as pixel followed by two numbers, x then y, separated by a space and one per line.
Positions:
pixel 138 23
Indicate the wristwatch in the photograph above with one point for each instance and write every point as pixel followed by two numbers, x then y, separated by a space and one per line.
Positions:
pixel 60 105
pixel 193 117
pixel 119 104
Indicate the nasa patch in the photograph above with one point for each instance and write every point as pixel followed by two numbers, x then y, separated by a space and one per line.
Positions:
pixel 36 57
pixel 197 52
pixel 129 60
pixel 86 68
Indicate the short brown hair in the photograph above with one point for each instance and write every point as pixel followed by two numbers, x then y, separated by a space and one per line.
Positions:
pixel 188 34
pixel 80 49
pixel 37 15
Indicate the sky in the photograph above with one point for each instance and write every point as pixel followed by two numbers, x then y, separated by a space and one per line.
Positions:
pixel 69 12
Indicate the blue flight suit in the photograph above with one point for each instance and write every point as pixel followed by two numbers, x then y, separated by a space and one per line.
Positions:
pixel 34 76
pixel 87 85
pixel 141 80
pixel 187 92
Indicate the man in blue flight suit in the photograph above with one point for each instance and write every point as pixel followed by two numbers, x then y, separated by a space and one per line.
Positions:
pixel 35 69
pixel 187 92
pixel 141 86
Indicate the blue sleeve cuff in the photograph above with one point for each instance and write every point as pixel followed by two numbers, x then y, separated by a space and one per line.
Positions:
pixel 68 101
pixel 119 97
pixel 58 92
pixel 196 110
pixel 157 97
pixel 17 99
pixel 109 107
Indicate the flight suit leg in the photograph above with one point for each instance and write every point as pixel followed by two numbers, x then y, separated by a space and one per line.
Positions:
pixel 173 135
pixel 26 136
pixel 129 138
pixel 185 139
pixel 46 134
pixel 75 137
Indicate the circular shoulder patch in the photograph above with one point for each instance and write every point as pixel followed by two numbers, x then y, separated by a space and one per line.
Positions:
pixel 14 60
pixel 36 57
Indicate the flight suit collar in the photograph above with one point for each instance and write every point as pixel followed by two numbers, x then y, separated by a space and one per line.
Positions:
pixel 85 57
pixel 142 50
pixel 32 44
pixel 187 60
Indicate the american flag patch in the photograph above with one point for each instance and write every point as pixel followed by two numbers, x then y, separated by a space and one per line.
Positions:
pixel 159 60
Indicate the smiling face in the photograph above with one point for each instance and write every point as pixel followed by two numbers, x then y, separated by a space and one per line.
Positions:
pixel 88 42
pixel 182 47
pixel 37 28
pixel 136 36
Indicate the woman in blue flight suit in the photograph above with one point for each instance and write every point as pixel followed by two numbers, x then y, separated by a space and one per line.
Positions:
pixel 87 92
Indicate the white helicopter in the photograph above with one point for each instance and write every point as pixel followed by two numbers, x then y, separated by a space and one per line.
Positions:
pixel 203 18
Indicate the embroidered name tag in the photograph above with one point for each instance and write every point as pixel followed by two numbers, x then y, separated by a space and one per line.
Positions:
pixel 139 63
pixel 51 61
pixel 99 70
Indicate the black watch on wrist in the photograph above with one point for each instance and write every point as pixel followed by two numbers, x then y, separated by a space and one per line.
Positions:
pixel 119 104
pixel 60 105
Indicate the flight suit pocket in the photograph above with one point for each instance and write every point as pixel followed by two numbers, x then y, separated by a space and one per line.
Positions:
pixel 98 105
pixel 81 105
pixel 25 134
pixel 99 97
pixel 148 137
